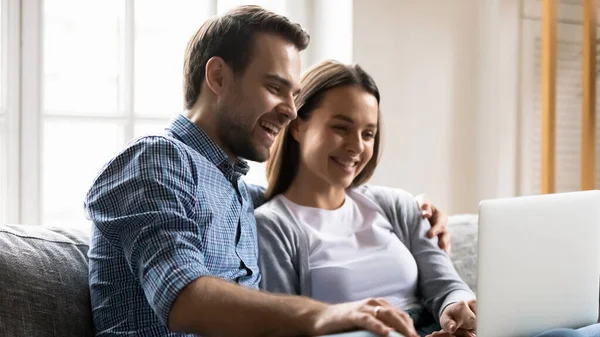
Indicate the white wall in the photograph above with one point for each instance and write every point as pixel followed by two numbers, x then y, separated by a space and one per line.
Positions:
pixel 331 30
pixel 422 55
pixel 497 109
pixel 447 71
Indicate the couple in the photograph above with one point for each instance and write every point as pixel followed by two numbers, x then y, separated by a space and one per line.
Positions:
pixel 174 239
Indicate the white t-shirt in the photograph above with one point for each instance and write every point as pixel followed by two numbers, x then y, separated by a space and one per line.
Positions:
pixel 354 254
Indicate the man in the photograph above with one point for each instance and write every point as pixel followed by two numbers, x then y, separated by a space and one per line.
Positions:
pixel 173 248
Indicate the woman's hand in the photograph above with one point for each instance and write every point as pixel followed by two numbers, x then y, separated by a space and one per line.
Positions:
pixel 438 220
pixel 458 319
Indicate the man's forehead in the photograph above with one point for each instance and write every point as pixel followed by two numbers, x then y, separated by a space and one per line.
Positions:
pixel 276 58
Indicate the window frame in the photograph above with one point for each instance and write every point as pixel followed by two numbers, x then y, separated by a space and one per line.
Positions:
pixel 10 76
pixel 22 73
pixel 568 31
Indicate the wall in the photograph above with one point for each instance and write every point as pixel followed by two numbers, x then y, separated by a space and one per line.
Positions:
pixel 331 29
pixel 422 55
pixel 497 106
pixel 448 72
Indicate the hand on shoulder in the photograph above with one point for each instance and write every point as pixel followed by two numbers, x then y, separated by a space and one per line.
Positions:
pixel 438 220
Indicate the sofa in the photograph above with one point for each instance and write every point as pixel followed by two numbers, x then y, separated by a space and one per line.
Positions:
pixel 44 277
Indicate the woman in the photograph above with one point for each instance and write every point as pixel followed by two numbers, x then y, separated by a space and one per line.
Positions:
pixel 325 235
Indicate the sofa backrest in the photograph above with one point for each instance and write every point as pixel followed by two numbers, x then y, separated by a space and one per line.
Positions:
pixel 44 277
pixel 44 282
pixel 463 234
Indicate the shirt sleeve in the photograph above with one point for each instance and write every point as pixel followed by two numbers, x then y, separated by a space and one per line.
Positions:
pixel 257 194
pixel 143 202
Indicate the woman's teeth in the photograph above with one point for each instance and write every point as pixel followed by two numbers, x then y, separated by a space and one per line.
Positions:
pixel 346 163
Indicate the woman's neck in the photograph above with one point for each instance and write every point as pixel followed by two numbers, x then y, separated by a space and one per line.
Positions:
pixel 309 190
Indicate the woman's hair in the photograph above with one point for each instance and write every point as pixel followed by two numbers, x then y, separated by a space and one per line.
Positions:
pixel 283 163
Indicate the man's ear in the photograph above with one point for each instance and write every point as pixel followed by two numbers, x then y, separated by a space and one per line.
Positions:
pixel 216 74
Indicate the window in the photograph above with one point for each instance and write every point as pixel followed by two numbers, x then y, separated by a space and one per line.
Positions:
pixel 80 79
pixel 110 73
pixel 568 103
pixel 3 122
pixel 9 88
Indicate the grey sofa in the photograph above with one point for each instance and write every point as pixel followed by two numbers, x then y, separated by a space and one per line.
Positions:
pixel 44 279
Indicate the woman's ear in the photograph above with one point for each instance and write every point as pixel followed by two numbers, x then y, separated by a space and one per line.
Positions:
pixel 297 127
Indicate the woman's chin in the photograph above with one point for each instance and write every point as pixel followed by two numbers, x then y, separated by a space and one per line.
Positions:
pixel 341 182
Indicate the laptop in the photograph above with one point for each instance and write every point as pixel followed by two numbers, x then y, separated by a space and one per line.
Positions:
pixel 538 263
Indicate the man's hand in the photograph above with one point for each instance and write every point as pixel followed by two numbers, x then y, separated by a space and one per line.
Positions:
pixel 229 309
pixel 438 220
pixel 458 319
pixel 374 315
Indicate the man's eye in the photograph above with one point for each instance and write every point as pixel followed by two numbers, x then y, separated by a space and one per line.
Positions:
pixel 274 89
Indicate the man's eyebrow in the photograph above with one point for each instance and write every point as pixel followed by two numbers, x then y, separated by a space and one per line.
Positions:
pixel 351 121
pixel 282 81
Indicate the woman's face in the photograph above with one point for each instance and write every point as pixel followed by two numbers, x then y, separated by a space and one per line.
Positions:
pixel 337 141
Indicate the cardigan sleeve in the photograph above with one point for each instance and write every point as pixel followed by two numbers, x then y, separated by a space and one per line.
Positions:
pixel 439 283
pixel 277 253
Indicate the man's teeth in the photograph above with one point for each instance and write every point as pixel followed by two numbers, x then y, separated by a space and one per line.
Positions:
pixel 272 128
pixel 347 163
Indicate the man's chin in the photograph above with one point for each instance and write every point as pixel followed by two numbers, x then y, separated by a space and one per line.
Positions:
pixel 257 155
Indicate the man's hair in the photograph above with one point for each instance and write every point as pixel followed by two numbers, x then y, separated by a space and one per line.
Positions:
pixel 231 37
pixel 284 161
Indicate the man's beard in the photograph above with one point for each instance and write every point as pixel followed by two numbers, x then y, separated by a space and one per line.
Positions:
pixel 237 135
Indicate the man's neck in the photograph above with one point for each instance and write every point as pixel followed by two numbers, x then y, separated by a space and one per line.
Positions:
pixel 203 119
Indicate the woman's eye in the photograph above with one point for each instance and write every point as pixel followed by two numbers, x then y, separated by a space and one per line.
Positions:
pixel 339 127
pixel 369 135
pixel 274 89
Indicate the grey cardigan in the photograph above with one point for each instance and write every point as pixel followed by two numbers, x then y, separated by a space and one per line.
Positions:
pixel 283 250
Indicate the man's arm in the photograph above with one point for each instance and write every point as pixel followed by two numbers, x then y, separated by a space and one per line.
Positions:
pixel 213 307
pixel 257 194
pixel 145 202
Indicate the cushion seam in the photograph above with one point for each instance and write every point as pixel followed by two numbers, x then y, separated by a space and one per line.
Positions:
pixel 46 240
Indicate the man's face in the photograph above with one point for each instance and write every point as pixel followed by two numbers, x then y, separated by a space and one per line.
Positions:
pixel 260 102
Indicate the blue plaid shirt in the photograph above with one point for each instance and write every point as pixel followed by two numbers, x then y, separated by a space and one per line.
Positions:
pixel 166 211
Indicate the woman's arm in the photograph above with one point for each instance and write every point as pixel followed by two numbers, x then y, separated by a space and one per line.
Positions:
pixel 277 254
pixel 439 283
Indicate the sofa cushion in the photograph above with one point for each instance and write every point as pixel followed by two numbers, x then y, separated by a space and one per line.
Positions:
pixel 44 282
pixel 463 238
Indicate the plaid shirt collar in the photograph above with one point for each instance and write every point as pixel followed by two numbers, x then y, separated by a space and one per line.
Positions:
pixel 193 136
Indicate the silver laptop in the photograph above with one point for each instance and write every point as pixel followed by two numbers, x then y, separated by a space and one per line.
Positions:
pixel 538 263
